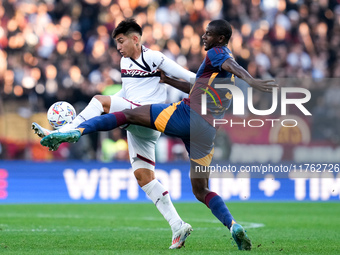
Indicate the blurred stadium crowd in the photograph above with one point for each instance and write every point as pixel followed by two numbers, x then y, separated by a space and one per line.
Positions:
pixel 56 50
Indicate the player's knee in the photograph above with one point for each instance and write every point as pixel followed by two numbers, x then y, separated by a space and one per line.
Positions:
pixel 105 101
pixel 133 115
pixel 199 194
pixel 199 188
pixel 130 117
pixel 138 116
pixel 144 176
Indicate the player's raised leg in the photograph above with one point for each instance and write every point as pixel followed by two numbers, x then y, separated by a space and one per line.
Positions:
pixel 139 116
pixel 93 109
pixel 99 104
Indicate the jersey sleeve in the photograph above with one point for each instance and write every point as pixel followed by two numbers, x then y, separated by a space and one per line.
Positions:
pixel 217 57
pixel 171 68
pixel 120 93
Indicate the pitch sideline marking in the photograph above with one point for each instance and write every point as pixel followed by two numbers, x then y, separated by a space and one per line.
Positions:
pixel 247 225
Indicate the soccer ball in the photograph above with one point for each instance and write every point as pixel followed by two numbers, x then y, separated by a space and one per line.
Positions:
pixel 60 113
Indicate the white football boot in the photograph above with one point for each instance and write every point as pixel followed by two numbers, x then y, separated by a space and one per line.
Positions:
pixel 40 131
pixel 179 237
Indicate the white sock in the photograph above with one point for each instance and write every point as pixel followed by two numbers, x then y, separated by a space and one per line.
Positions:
pixel 161 198
pixel 93 109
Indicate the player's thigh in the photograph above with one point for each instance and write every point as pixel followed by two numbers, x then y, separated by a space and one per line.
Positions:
pixel 171 119
pixel 202 136
pixel 142 145
pixel 119 104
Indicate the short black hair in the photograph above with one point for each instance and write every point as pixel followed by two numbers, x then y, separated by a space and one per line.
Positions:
pixel 126 27
pixel 222 27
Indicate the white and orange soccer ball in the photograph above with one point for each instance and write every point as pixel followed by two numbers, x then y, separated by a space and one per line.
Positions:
pixel 60 113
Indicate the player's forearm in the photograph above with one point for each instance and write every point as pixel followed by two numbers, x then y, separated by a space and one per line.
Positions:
pixel 233 67
pixel 180 85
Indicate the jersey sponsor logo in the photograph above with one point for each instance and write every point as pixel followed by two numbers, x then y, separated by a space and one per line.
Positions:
pixel 138 73
pixel 239 102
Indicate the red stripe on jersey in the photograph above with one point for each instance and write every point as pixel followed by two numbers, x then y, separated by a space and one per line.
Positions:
pixel 132 102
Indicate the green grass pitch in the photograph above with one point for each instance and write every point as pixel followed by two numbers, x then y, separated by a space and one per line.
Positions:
pixel 275 228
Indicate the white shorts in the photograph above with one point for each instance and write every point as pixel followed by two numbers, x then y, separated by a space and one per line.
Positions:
pixel 141 140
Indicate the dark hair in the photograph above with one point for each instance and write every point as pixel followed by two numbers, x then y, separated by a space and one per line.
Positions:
pixel 222 27
pixel 126 27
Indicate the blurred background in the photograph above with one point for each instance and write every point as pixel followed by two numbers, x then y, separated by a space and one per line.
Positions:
pixel 62 50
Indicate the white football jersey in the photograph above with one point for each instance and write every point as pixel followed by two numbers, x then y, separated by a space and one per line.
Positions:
pixel 140 79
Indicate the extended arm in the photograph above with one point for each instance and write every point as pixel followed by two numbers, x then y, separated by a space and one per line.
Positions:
pixel 231 66
pixel 171 68
pixel 181 85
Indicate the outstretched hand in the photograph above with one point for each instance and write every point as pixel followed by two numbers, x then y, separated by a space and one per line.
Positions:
pixel 231 66
pixel 264 85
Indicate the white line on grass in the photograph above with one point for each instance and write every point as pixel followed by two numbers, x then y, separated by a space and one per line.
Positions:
pixel 101 229
pixel 5 227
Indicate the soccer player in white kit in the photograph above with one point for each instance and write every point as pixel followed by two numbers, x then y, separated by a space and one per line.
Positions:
pixel 140 86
